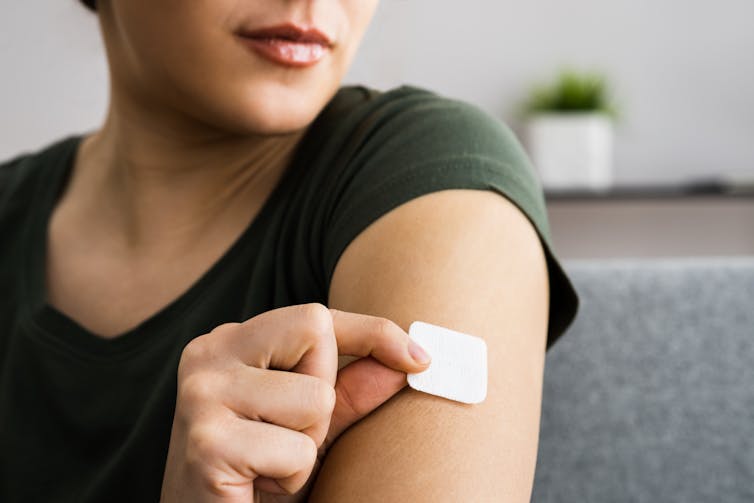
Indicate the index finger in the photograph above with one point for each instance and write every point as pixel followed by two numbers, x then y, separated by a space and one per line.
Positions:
pixel 383 339
pixel 284 337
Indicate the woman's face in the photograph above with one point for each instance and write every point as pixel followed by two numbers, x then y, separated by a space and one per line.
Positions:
pixel 188 55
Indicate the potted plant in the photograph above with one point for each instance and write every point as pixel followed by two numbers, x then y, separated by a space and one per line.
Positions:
pixel 568 131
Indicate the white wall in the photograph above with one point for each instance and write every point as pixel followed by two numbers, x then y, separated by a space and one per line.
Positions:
pixel 53 73
pixel 683 70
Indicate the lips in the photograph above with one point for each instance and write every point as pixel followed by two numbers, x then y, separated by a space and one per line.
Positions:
pixel 287 44
pixel 289 31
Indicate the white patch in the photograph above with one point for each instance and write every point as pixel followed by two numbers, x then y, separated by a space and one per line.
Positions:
pixel 458 370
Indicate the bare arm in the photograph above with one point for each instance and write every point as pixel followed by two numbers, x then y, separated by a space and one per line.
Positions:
pixel 468 260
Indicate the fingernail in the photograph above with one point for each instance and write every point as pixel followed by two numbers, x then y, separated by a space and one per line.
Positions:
pixel 418 353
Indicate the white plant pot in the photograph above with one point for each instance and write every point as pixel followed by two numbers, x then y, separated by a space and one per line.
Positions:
pixel 571 150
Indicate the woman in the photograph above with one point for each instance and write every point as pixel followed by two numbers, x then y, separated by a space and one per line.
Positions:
pixel 165 277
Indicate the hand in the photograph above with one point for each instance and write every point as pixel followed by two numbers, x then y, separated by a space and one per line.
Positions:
pixel 259 402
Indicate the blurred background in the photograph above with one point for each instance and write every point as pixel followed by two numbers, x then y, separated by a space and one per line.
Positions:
pixel 672 174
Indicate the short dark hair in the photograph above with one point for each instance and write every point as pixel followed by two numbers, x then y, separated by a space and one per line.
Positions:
pixel 90 4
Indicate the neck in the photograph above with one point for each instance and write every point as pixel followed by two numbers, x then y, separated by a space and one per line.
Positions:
pixel 153 177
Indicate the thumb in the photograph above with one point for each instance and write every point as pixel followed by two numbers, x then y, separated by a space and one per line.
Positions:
pixel 361 387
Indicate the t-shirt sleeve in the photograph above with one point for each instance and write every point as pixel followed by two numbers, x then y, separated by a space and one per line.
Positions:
pixel 9 171
pixel 420 142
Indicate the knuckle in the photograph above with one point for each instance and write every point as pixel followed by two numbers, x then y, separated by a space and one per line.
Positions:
pixel 306 453
pixel 225 327
pixel 196 389
pixel 195 351
pixel 191 357
pixel 202 350
pixel 318 320
pixel 385 328
pixel 308 449
pixel 215 484
pixel 203 445
pixel 323 397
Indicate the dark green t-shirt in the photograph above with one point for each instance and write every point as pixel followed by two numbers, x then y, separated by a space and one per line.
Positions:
pixel 84 418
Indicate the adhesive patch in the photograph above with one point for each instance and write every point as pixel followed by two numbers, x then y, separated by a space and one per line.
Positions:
pixel 458 370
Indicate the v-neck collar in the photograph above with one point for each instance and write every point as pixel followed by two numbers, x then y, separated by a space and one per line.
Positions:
pixel 67 331
pixel 61 330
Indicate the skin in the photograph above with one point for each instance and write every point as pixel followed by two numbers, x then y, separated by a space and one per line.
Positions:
pixel 260 402
pixel 190 148
pixel 197 133
pixel 471 261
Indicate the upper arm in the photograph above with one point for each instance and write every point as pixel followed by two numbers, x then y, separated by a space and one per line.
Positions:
pixel 471 261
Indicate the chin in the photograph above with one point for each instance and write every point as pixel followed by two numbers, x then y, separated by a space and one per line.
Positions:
pixel 274 109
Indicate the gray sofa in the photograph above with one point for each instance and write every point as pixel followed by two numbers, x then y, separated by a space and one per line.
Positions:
pixel 650 394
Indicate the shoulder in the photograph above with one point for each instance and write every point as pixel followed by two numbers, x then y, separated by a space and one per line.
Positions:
pixel 409 141
pixel 410 131
pixel 12 173
pixel 412 142
pixel 416 119
pixel 9 170
pixel 22 173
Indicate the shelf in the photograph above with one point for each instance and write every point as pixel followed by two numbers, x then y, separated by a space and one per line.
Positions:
pixel 690 220
pixel 711 188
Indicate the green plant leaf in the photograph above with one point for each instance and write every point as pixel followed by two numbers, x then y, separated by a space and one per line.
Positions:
pixel 572 91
